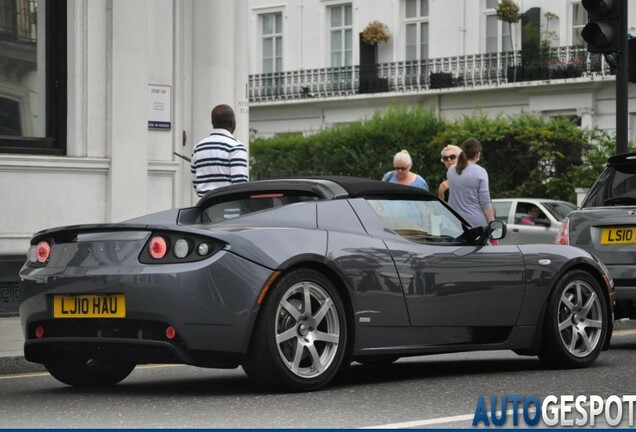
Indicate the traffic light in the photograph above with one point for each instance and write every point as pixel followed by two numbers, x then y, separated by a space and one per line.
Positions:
pixel 602 32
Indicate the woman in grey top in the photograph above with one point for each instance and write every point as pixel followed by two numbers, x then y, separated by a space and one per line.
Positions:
pixel 468 184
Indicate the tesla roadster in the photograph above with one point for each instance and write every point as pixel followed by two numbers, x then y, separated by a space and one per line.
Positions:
pixel 294 279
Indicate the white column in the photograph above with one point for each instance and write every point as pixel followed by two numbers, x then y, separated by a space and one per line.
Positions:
pixel 127 130
pixel 219 63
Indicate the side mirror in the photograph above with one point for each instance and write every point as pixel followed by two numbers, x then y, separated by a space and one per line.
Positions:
pixel 542 222
pixel 497 229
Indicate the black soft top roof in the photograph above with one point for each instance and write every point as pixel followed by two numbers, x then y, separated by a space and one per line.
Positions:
pixel 326 187
pixel 364 187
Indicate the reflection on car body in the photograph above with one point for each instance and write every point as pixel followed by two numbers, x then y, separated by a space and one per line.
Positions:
pixel 302 277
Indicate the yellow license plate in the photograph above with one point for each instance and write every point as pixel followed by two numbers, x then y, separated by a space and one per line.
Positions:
pixel 618 235
pixel 89 306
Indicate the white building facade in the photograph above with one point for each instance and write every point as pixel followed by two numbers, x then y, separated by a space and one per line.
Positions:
pixel 454 56
pixel 96 97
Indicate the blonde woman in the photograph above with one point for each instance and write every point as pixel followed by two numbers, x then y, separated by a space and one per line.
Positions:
pixel 450 153
pixel 402 173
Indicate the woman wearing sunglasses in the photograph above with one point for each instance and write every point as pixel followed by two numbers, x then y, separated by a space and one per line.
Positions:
pixel 449 157
pixel 402 174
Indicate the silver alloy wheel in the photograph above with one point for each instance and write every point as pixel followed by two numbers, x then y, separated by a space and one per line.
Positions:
pixel 307 329
pixel 580 318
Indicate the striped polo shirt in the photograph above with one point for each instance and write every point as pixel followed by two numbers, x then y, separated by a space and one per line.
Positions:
pixel 218 160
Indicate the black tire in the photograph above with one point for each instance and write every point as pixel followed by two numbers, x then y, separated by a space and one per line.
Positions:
pixel 90 373
pixel 295 347
pixel 576 322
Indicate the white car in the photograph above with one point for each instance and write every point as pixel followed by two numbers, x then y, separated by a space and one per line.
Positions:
pixel 514 211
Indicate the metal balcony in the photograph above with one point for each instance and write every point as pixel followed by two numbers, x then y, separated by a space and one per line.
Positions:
pixel 471 71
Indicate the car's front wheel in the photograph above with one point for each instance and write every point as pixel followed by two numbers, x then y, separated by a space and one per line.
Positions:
pixel 576 321
pixel 90 372
pixel 300 337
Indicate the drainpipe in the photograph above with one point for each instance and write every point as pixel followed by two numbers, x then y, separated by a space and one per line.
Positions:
pixel 462 29
pixel 300 34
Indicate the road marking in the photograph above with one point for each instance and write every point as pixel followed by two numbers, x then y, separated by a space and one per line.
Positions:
pixel 439 420
pixel 41 374
pixel 419 423
pixel 29 375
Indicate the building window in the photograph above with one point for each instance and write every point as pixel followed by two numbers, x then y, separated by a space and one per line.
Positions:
pixel 579 19
pixel 416 22
pixel 498 36
pixel 33 94
pixel 272 42
pixel 341 35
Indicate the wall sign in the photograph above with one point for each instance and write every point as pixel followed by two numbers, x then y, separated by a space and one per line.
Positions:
pixel 159 107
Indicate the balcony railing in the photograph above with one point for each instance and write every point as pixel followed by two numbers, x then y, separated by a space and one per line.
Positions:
pixel 18 21
pixel 475 70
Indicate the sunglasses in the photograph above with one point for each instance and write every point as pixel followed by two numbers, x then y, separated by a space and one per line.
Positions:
pixel 401 168
pixel 447 158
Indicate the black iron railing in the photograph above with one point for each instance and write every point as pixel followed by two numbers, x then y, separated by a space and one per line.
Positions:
pixel 415 76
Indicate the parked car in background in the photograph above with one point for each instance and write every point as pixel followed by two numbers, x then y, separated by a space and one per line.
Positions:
pixel 515 211
pixel 606 226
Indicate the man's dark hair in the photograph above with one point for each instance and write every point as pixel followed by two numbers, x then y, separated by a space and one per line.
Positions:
pixel 223 117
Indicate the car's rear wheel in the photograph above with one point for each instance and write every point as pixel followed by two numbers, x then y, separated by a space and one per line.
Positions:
pixel 300 337
pixel 90 373
pixel 576 321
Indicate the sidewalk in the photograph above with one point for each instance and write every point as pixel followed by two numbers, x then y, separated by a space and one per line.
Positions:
pixel 11 339
pixel 11 348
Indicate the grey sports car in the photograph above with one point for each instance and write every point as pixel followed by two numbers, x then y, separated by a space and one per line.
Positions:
pixel 295 279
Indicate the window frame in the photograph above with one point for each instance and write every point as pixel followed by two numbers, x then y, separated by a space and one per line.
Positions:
pixel 420 22
pixel 274 37
pixel 54 143
pixel 346 53
pixel 577 28
pixel 501 36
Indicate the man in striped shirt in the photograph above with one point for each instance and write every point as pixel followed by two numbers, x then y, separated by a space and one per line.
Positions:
pixel 220 159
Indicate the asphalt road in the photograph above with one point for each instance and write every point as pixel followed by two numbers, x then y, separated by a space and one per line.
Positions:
pixel 432 391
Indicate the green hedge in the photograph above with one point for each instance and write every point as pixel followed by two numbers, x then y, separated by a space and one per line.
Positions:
pixel 525 155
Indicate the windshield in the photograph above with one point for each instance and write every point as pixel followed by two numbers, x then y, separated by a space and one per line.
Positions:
pixel 612 188
pixel 232 207
pixel 422 221
pixel 559 209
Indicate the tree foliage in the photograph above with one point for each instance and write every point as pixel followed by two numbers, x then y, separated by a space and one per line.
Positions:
pixel 525 155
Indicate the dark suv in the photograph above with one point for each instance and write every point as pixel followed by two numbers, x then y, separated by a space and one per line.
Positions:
pixel 606 226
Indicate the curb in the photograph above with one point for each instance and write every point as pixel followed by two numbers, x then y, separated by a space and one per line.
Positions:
pixel 18 365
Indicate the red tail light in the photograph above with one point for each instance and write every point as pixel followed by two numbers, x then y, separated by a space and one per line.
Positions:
pixel 39 332
pixel 43 251
pixel 158 247
pixel 563 236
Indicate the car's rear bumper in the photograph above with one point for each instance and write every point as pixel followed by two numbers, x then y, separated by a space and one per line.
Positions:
pixel 624 277
pixel 135 351
pixel 211 307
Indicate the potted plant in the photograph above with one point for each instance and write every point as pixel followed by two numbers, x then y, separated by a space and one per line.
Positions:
pixel 508 12
pixel 375 32
pixel 372 35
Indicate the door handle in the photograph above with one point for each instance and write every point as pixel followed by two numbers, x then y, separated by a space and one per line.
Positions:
pixel 515 230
